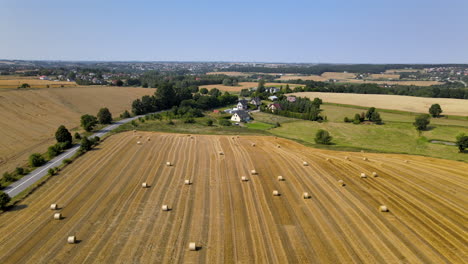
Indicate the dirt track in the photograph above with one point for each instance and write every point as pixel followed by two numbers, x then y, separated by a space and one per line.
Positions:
pixel 117 221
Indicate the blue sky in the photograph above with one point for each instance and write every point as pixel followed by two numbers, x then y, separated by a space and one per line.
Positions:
pixel 367 31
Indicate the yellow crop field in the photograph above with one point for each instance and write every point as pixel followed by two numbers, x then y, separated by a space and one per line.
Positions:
pixel 385 76
pixel 34 82
pixel 338 75
pixel 30 117
pixel 115 220
pixel 397 102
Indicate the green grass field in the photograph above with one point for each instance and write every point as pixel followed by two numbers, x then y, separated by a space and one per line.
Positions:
pixel 396 135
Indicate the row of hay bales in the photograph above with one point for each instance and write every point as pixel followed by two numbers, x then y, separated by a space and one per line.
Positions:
pixel 382 208
pixel 58 216
pixel 166 208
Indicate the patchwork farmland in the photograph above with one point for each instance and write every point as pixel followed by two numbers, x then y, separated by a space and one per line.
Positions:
pixel 115 220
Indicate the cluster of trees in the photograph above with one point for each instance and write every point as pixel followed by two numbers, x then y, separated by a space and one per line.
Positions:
pixel 104 116
pixel 462 142
pixel 323 137
pixel 169 95
pixel 230 82
pixel 435 91
pixel 302 108
pixel 371 115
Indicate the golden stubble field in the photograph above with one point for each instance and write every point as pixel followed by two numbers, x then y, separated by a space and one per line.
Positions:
pixel 15 81
pixel 396 102
pixel 30 117
pixel 117 221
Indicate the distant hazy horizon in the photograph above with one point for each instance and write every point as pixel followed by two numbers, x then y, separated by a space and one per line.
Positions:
pixel 298 31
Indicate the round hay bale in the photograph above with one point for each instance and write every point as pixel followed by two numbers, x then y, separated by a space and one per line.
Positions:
pixel 139 136
pixel 275 193
pixel 362 151
pixel 365 159
pixel 221 153
pixel 148 138
pixel 278 146
pixel 383 208
pixel 144 185
pixel 375 174
pixel 406 161
pixel 237 136
pixel 243 178
pixel 191 137
pixel 192 246
pixel 57 216
pixel 253 172
pixel 168 163
pixel 138 142
pixel 134 130
pixel 71 239
pixel 188 135
pixel 165 207
pixel 54 207
pixel 253 145
pixel 341 183
pixel 280 178
pixel 187 182
pixel 363 175
pixel 305 163
pixel 232 137
pixel 327 159
pixel 346 158
pixel 306 195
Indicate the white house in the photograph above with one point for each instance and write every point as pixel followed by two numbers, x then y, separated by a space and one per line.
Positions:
pixel 273 90
pixel 242 105
pixel 240 116
pixel 273 98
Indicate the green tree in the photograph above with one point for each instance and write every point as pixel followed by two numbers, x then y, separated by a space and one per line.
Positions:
pixel 225 122
pixel 62 135
pixel 369 113
pixel 119 83
pixel 77 135
pixel 227 82
pixel 36 160
pixel 104 116
pixel 209 122
pixel 462 142
pixel 4 200
pixel 88 122
pixel 421 122
pixel 261 86
pixel 435 110
pixel 323 137
pixel 24 85
pixel 86 144
pixel 125 114
pixel 203 91
pixel 375 117
pixel 357 119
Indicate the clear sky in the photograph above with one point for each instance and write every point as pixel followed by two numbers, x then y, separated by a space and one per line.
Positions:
pixel 337 31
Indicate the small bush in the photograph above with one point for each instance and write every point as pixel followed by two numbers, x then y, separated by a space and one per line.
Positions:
pixel 278 124
pixel 19 171
pixel 225 122
pixel 356 121
pixel 323 137
pixel 4 200
pixel 36 160
pixel 8 177
pixel 189 120
pixel 346 120
pixel 51 172
pixel 67 161
pixel 209 122
pixel 77 135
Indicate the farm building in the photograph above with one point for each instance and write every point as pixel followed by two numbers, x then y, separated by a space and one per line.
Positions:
pixel 255 101
pixel 291 99
pixel 273 98
pixel 242 105
pixel 274 107
pixel 273 90
pixel 240 116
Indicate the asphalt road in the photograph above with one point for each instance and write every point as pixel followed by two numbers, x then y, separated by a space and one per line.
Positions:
pixel 29 179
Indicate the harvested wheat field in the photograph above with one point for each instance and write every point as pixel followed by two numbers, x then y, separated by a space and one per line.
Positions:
pixel 30 117
pixel 416 83
pixel 338 75
pixel 385 76
pixel 409 212
pixel 34 82
pixel 396 102
pixel 244 85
